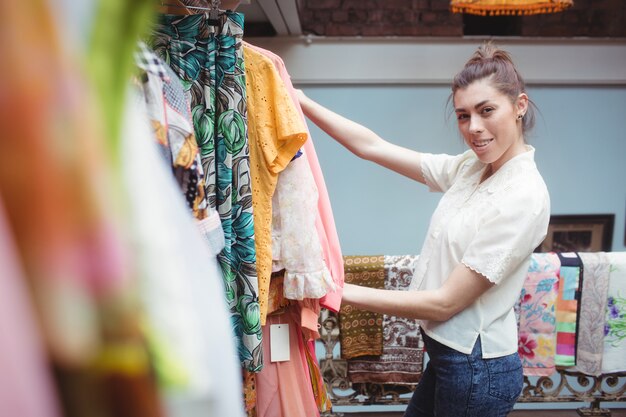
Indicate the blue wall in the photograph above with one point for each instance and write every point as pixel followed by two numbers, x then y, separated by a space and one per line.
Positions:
pixel 581 151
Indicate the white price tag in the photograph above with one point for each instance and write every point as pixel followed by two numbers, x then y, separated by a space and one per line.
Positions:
pixel 279 342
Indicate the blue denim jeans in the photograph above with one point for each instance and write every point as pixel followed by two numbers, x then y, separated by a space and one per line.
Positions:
pixel 458 385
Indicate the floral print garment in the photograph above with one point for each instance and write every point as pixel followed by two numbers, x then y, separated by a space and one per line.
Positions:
pixel 170 117
pixel 567 307
pixel 209 61
pixel 614 356
pixel 593 304
pixel 537 315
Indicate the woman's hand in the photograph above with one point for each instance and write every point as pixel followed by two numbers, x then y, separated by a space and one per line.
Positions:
pixel 304 101
pixel 300 95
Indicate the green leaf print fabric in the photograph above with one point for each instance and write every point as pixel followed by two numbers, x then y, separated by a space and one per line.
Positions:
pixel 209 61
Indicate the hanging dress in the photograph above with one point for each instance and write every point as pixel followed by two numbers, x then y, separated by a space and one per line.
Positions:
pixel 276 134
pixel 324 222
pixel 209 61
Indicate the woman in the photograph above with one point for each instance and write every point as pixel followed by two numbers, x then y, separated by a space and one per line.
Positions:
pixel 471 269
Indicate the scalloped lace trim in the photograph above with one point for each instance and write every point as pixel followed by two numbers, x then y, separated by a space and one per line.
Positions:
pixel 301 285
pixel 493 265
pixel 479 272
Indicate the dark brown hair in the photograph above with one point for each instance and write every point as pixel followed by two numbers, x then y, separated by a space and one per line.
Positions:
pixel 491 62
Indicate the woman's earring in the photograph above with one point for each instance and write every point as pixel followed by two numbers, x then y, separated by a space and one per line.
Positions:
pixel 519 116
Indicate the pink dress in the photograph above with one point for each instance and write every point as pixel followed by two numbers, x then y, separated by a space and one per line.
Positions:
pixel 281 387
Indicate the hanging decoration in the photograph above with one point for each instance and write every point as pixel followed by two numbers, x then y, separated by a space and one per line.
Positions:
pixel 509 7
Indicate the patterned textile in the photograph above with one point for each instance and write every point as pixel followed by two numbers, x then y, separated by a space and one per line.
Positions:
pixel 209 62
pixel 592 313
pixel 537 315
pixel 320 393
pixel 276 299
pixel 170 115
pixel 149 62
pixel 249 392
pixel 361 331
pixel 614 356
pixel 402 358
pixel 567 308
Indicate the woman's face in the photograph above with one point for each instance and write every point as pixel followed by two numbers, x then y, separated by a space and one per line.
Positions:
pixel 489 122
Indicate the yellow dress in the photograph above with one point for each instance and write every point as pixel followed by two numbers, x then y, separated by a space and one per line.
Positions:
pixel 275 134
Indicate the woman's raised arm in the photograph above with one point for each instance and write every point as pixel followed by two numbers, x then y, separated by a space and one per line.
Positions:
pixel 362 141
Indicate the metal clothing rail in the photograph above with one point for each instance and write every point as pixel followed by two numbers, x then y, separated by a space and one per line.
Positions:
pixel 215 5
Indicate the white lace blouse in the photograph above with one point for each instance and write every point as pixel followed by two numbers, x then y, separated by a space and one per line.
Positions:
pixel 492 228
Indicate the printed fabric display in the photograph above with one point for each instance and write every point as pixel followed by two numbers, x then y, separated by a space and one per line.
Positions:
pixel 614 356
pixel 170 116
pixel 537 315
pixel 402 358
pixel 361 331
pixel 592 320
pixel 320 392
pixel 209 61
pixel 567 308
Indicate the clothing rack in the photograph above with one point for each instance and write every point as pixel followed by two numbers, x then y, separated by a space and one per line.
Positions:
pixel 215 5
pixel 212 11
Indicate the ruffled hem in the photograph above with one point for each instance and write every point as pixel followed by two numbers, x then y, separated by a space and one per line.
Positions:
pixel 301 285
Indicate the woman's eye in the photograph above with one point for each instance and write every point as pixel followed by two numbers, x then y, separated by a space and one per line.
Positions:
pixel 461 116
pixel 487 110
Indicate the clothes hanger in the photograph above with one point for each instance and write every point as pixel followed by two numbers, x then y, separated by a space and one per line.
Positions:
pixel 215 4
pixel 212 11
